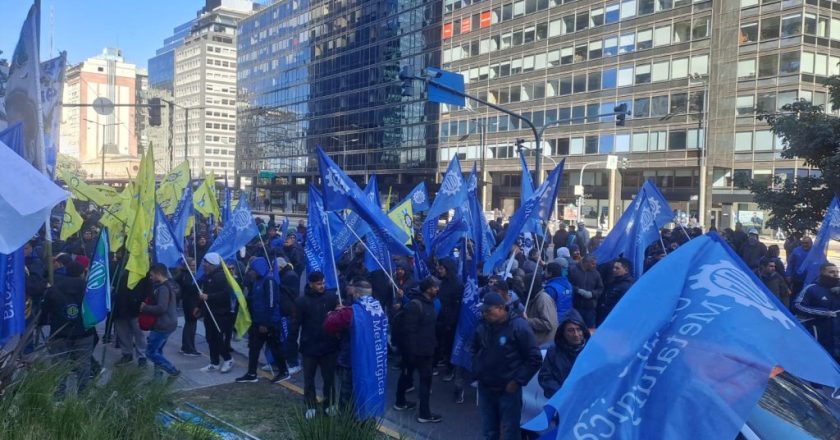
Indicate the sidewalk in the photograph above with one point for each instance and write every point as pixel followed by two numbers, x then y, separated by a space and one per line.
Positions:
pixel 460 422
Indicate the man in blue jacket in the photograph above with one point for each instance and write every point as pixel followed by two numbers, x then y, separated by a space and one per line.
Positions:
pixel 795 280
pixel 559 289
pixel 264 300
pixel 820 305
pixel 505 358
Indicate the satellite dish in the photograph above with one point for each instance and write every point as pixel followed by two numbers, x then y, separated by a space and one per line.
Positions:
pixel 103 106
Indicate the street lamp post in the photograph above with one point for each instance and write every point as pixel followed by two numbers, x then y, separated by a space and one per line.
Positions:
pixel 701 202
pixel 103 143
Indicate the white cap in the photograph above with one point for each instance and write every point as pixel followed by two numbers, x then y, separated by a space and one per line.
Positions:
pixel 281 262
pixel 213 258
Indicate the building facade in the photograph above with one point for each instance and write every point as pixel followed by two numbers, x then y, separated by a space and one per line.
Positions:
pixel 325 73
pixel 205 91
pixel 162 65
pixel 694 75
pixel 105 144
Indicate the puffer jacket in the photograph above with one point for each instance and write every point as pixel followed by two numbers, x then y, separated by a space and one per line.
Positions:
pixel 312 308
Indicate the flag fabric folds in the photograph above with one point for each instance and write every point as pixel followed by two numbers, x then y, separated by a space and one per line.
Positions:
pixel 170 191
pixel 369 358
pixel 167 250
pixel 637 228
pixel 243 316
pixel 240 230
pixel 72 221
pixel 97 301
pixel 452 192
pixel 538 206
pixel 482 235
pixel 117 217
pixel 315 252
pixel 52 87
pixel 403 216
pixel 26 198
pixel 140 233
pixel 181 218
pixel 697 363
pixel 469 315
pixel 419 198
pixel 829 230
pixel 527 188
pixel 13 291
pixel 204 199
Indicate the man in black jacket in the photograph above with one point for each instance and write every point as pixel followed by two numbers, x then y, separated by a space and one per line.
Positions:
pixel 588 286
pixel 568 343
pixel 126 308
pixel 319 349
pixel 191 305
pixel 70 340
pixel 505 358
pixel 620 282
pixel 419 343
pixel 819 303
pixel 289 283
pixel 216 294
pixel 450 294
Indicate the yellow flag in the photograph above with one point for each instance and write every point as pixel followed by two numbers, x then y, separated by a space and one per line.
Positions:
pixel 172 188
pixel 72 221
pixel 82 190
pixel 143 204
pixel 117 217
pixel 403 217
pixel 243 316
pixel 204 198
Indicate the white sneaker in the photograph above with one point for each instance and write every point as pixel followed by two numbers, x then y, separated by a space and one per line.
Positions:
pixel 294 370
pixel 209 368
pixel 268 368
pixel 310 414
pixel 332 411
pixel 227 366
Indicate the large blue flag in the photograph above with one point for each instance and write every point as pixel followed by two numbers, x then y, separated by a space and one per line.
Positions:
pixel 482 235
pixel 369 348
pixel 235 234
pixel 227 211
pixel 377 251
pixel 539 206
pixel 315 248
pixel 527 188
pixel 97 301
pixel 696 364
pixel 167 250
pixel 637 228
pixel 344 232
pixel 181 218
pixel 340 192
pixel 419 198
pixel 452 192
pixel 830 230
pixel 468 318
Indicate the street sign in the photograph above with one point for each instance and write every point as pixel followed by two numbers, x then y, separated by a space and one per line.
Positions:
pixel 612 162
pixel 451 80
pixel 103 106
pixel 578 190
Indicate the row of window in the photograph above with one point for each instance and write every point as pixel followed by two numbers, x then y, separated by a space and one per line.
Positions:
pixel 766 102
pixel 770 65
pixel 217 164
pixel 663 34
pixel 220 139
pixel 218 126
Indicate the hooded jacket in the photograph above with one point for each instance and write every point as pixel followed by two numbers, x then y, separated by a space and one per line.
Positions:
pixel 164 306
pixel 560 291
pixel 561 357
pixel 219 295
pixel 504 352
pixel 263 296
pixel 62 308
pixel 312 308
pixel 542 317
pixel 450 294
pixel 419 338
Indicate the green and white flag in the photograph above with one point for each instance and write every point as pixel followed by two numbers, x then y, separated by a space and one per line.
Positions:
pixel 97 301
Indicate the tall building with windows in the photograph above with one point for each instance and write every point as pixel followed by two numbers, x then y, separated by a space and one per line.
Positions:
pixel 694 75
pixel 162 65
pixel 326 73
pixel 205 89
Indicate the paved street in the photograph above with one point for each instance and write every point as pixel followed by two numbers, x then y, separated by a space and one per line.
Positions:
pixel 460 422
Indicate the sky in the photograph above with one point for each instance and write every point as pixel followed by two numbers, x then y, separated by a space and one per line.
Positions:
pixel 84 27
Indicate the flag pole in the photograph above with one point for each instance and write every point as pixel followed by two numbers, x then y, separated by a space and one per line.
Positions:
pixel 539 260
pixel 332 256
pixel 393 283
pixel 187 265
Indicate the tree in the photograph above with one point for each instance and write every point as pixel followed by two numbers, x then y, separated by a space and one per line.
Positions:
pixel 797 206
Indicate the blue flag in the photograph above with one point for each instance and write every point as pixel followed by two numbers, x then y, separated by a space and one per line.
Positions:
pixel 696 364
pixel 226 208
pixel 235 234
pixel 369 357
pixel 539 206
pixel 533 226
pixel 97 301
pixel 345 232
pixel 637 228
pixel 468 318
pixel 452 192
pixel 377 250
pixel 181 217
pixel 317 256
pixel 12 270
pixel 419 198
pixel 830 230
pixel 167 250
pixel 284 226
pixel 482 235
pixel 340 192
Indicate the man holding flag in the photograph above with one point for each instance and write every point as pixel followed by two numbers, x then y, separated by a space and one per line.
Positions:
pixel 218 326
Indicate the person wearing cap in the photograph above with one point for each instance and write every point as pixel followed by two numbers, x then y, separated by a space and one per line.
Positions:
pixel 505 357
pixel 289 283
pixel 216 294
pixel 294 253
pixel 753 250
pixel 264 299
pixel 419 343
pixel 319 349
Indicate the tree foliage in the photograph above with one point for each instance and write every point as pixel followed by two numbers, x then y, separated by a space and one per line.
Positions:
pixel 798 205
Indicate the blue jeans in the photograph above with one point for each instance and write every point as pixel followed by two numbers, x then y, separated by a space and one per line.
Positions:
pixel 154 351
pixel 499 408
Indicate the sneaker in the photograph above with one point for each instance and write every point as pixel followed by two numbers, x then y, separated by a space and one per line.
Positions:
pixel 440 364
pixel 449 377
pixel 332 411
pixel 281 377
pixel 310 414
pixel 432 418
pixel 459 396
pixel 227 366
pixel 405 406
pixel 267 367
pixel 209 368
pixel 409 389
pixel 435 372
pixel 295 370
pixel 190 353
pixel 141 362
pixel 124 360
pixel 248 378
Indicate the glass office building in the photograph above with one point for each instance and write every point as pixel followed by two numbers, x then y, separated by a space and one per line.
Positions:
pixel 162 65
pixel 325 73
pixel 694 74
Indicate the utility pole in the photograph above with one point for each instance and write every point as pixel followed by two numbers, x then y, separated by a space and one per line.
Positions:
pixel 171 135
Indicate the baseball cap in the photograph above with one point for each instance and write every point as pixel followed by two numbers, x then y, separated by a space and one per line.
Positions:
pixel 492 299
pixel 753 231
pixel 213 258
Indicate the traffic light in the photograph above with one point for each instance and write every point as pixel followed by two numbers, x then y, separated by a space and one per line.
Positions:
pixel 154 112
pixel 406 75
pixel 520 144
pixel 621 114
pixel 624 163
